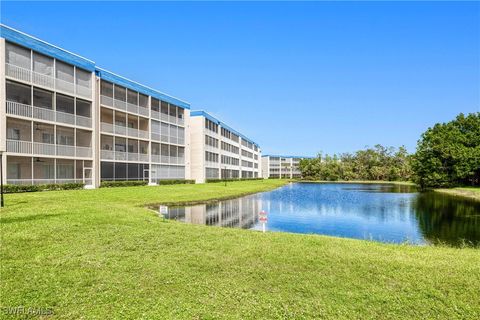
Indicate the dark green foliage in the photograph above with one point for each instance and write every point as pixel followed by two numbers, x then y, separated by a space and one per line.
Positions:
pixel 12 188
pixel 133 183
pixel 113 184
pixel 377 164
pixel 231 180
pixel 163 182
pixel 448 154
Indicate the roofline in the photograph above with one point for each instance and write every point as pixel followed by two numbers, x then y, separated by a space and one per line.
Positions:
pixel 284 156
pixel 145 86
pixel 45 42
pixel 205 114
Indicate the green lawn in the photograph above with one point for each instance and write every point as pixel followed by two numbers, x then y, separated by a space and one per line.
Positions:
pixel 100 254
pixel 468 192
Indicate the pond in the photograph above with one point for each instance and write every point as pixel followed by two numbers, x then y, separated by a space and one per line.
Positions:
pixel 379 212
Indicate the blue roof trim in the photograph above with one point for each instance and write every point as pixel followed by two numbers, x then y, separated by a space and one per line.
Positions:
pixel 283 156
pixel 114 78
pixel 45 48
pixel 201 113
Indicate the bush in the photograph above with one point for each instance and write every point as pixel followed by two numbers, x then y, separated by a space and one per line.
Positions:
pixel 131 183
pixel 230 180
pixel 13 188
pixel 163 182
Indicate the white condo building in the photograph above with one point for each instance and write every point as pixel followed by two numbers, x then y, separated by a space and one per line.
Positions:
pixel 64 119
pixel 219 152
pixel 278 167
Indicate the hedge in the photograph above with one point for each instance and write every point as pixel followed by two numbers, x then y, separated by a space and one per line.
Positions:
pixel 231 180
pixel 132 183
pixel 13 188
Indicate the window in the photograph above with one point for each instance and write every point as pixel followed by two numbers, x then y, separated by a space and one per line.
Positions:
pixel 210 125
pixel 83 108
pixel 48 138
pixel 64 171
pixel 64 139
pixel 18 56
pixel 13 171
pixel 164 107
pixel 18 93
pixel 120 93
pixel 211 157
pixel 106 89
pixel 132 97
pixel 143 100
pixel 13 134
pixel 84 78
pixel 155 104
pixel 42 98
pixel 65 104
pixel 42 64
pixel 64 71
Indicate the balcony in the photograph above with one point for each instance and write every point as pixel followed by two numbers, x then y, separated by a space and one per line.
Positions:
pixel 123 156
pixel 167 160
pixel 84 91
pixel 27 111
pixel 121 130
pixel 46 81
pixel 65 86
pixel 47 149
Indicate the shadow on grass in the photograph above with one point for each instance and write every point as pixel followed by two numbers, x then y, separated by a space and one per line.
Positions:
pixel 32 217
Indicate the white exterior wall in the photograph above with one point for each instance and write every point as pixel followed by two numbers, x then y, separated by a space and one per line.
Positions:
pixel 198 149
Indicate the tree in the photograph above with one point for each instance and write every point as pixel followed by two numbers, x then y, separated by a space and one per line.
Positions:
pixel 448 154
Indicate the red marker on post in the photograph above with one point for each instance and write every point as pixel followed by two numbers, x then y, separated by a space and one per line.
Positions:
pixel 263 219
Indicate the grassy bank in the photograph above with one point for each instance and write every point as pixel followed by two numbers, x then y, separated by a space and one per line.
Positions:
pixel 466 192
pixel 403 183
pixel 101 254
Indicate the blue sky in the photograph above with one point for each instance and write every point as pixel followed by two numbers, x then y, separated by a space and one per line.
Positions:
pixel 298 78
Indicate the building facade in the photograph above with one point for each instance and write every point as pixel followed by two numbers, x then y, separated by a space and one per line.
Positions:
pixel 64 119
pixel 219 152
pixel 278 167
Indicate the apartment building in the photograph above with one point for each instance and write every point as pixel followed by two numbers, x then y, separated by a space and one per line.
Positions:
pixel 278 166
pixel 220 152
pixel 64 119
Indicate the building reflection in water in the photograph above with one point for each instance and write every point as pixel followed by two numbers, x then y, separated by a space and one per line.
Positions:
pixel 234 213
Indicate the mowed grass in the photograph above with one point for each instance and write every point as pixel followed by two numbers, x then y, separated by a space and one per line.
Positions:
pixel 99 254
pixel 467 192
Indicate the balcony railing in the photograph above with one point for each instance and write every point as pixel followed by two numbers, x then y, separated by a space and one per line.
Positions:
pixel 47 181
pixel 65 86
pixel 48 149
pixel 43 80
pixel 106 127
pixel 47 81
pixel 107 101
pixel 167 160
pixel 43 114
pixel 123 156
pixel 28 111
pixel 155 115
pixel 84 91
pixel 18 73
pixel 64 117
pixel 143 111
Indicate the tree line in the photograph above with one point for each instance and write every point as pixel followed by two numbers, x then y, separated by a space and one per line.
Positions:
pixel 447 155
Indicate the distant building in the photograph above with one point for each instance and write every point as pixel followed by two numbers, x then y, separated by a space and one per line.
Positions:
pixel 278 167
pixel 220 152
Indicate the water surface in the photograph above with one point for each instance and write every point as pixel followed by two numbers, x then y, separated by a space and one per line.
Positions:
pixel 380 212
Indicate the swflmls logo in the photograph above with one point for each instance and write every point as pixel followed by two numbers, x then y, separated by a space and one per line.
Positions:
pixel 22 310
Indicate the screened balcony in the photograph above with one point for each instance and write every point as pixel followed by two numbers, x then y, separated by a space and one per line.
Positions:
pixel 19 102
pixel 123 99
pixel 39 170
pixel 122 149
pixel 24 65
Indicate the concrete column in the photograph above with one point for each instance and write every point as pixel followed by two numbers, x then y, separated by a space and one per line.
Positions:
pixel 96 131
pixel 3 116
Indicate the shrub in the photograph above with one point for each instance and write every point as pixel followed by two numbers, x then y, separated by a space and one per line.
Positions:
pixel 230 180
pixel 13 188
pixel 163 182
pixel 128 183
pixel 133 183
